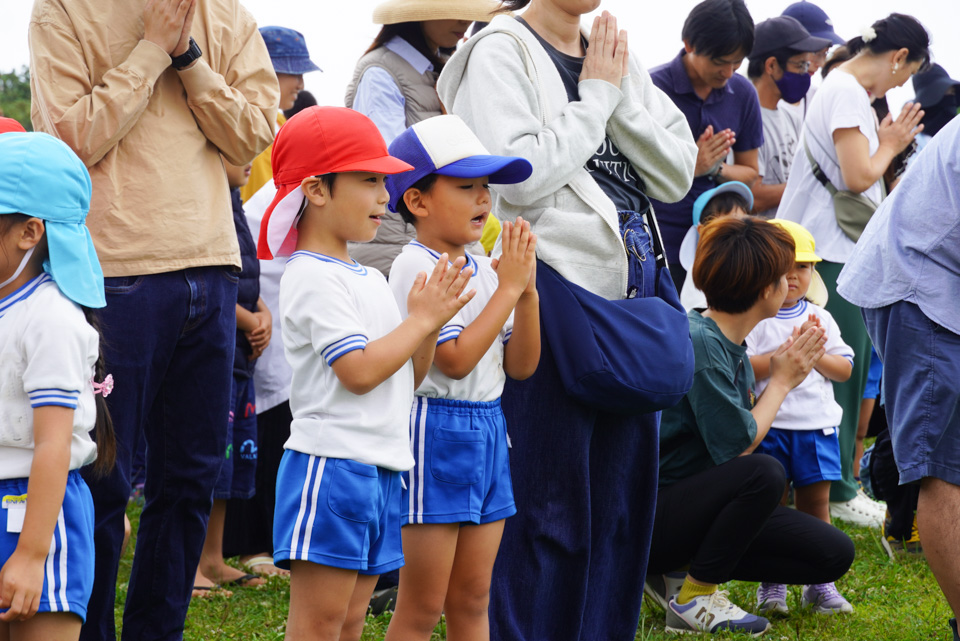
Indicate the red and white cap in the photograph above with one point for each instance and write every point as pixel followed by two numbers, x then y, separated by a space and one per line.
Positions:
pixel 317 141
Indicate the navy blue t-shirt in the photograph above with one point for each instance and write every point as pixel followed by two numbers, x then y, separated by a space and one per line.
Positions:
pixel 735 107
pixel 248 289
pixel 610 168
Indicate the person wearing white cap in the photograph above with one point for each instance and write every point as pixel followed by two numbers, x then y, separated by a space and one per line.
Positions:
pixel 394 84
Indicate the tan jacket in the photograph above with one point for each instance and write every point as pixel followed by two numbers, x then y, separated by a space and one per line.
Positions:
pixel 149 134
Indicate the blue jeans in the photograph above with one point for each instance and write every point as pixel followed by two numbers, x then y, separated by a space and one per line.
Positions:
pixel 169 343
pixel 572 561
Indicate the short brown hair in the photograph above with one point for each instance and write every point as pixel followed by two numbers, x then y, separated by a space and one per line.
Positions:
pixel 737 258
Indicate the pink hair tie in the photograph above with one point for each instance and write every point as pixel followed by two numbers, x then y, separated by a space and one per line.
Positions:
pixel 104 388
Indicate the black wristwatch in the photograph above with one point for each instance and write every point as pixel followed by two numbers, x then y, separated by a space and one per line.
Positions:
pixel 184 60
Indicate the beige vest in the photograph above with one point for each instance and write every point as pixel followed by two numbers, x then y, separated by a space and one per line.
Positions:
pixel 420 102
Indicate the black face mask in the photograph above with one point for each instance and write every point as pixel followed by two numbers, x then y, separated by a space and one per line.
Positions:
pixel 937 116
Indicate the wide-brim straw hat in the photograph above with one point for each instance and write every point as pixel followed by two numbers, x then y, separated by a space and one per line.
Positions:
pixel 395 11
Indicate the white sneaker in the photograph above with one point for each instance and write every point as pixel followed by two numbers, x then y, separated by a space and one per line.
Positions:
pixel 860 510
pixel 879 506
pixel 712 613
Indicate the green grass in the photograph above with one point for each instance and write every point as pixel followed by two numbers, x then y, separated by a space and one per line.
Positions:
pixel 893 601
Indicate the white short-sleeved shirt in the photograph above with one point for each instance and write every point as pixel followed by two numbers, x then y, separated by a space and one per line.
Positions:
pixel 781 132
pixel 329 308
pixel 485 382
pixel 47 357
pixel 810 405
pixel 841 103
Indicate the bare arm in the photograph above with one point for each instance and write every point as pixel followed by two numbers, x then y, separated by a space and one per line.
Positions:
pixel 743 169
pixel 430 304
pixel 766 196
pixel 21 578
pixel 859 169
pixel 761 365
pixel 834 367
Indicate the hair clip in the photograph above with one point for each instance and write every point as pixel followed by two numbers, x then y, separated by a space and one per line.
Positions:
pixel 104 388
pixel 868 34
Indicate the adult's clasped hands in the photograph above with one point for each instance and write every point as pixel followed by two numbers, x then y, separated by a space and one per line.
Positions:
pixel 607 57
pixel 167 24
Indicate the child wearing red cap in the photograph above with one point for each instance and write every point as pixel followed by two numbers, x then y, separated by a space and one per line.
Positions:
pixel 337 519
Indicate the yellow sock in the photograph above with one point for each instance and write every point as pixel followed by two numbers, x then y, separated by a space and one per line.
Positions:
pixel 689 591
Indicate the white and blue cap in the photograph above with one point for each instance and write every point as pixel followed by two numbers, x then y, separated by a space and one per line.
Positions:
pixel 688 248
pixel 41 177
pixel 445 145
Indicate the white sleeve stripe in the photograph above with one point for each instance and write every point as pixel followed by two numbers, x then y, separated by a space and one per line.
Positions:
pixel 57 403
pixel 337 343
pixel 53 394
pixel 332 356
pixel 75 392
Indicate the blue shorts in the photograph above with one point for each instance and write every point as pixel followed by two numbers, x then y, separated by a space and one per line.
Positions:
pixel 872 390
pixel 808 456
pixel 68 571
pixel 337 512
pixel 921 390
pixel 461 472
pixel 237 479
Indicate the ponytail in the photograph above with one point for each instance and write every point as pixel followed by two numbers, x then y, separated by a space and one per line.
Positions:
pixel 103 432
pixel 896 31
pixel 513 5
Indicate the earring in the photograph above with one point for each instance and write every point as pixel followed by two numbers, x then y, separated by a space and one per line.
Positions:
pixel 896 66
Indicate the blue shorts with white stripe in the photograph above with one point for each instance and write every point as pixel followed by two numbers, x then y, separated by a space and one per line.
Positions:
pixel 461 470
pixel 337 512
pixel 68 570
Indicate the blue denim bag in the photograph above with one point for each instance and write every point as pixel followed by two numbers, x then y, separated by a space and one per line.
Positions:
pixel 629 356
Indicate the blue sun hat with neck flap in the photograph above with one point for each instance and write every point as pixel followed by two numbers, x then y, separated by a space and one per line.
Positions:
pixel 41 177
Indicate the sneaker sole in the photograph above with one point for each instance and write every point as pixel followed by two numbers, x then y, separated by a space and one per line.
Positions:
pixel 688 631
pixel 655 598
pixel 774 609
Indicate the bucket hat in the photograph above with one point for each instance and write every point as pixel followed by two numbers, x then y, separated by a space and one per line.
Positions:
pixel 288 51
pixel 395 11
pixel 40 176
pixel 317 141
pixel 445 145
pixel 688 248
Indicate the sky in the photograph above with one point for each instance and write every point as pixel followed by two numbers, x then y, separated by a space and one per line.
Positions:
pixel 337 33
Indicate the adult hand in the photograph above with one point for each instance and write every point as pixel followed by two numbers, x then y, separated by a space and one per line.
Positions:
pixel 711 149
pixel 793 360
pixel 606 57
pixel 163 22
pixel 898 134
pixel 184 43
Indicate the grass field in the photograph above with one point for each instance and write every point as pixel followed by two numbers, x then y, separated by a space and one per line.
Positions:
pixel 893 600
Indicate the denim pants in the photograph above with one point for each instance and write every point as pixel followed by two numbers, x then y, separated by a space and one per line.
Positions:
pixel 169 343
pixel 572 561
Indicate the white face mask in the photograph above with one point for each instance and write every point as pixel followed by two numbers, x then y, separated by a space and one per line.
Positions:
pixel 20 268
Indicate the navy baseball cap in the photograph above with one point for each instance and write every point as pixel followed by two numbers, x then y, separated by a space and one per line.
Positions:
pixel 815 20
pixel 445 145
pixel 288 51
pixel 931 85
pixel 41 177
pixel 784 32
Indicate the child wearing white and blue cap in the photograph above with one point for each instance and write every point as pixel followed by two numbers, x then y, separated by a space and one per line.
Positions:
pixel 50 379
pixel 459 492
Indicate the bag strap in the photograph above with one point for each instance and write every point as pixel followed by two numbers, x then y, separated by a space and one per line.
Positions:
pixel 817 171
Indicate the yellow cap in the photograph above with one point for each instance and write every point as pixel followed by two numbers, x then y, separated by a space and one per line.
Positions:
pixel 817 293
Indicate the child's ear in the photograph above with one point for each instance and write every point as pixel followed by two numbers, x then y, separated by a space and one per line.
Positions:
pixel 414 200
pixel 31 233
pixel 315 191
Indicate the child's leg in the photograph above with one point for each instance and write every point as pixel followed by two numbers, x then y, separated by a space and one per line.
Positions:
pixel 814 499
pixel 212 565
pixel 44 626
pixel 359 604
pixel 468 596
pixel 319 598
pixel 428 550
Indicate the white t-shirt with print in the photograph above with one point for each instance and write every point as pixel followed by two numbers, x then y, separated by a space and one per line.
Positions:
pixel 47 357
pixel 810 405
pixel 485 382
pixel 781 132
pixel 841 103
pixel 329 308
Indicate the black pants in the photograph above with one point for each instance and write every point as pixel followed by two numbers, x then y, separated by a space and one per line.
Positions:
pixel 727 524
pixel 248 528
pixel 885 479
